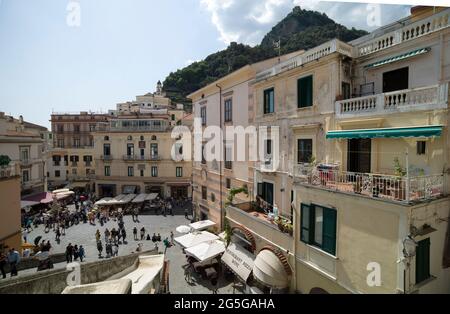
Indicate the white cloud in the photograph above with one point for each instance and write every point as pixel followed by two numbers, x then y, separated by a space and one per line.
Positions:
pixel 247 21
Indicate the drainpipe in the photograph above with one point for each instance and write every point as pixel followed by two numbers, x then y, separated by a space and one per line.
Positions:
pixel 222 214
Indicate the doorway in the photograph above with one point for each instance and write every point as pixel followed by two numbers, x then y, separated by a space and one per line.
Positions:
pixel 359 155
pixel 396 80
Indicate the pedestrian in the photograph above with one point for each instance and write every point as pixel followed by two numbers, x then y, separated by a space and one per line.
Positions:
pixel 99 248
pixel 124 235
pixel 81 253
pixel 154 238
pixel 136 214
pixel 97 235
pixel 142 233
pixel 58 234
pixel 47 247
pixel 135 231
pixel 76 252
pixel 108 249
pixel 13 260
pixel 186 213
pixel 69 253
pixel 114 234
pixel 214 282
pixel 3 264
pixel 158 238
pixel 171 238
pixel 25 235
pixel 115 250
pixel 107 234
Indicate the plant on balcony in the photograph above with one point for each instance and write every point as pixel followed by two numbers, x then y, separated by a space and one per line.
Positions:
pixel 398 169
pixel 234 192
pixel 4 161
pixel 285 226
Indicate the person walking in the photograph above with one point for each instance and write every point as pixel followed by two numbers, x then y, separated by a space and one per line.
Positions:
pixel 13 260
pixel 135 231
pixel 99 248
pixel 186 213
pixel 76 253
pixel 81 253
pixel 25 235
pixel 171 238
pixel 142 233
pixel 136 214
pixel 115 250
pixel 58 234
pixel 124 236
pixel 3 264
pixel 69 253
pixel 97 235
pixel 107 234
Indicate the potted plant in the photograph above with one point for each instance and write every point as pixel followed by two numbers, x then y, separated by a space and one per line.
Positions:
pixel 4 161
pixel 400 172
pixel 289 228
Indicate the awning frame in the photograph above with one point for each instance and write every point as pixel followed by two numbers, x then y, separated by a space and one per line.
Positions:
pixel 401 132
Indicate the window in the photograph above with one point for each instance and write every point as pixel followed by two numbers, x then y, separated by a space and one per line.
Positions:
pixel 423 261
pixel 107 171
pixel 154 151
pixel 141 172
pixel 50 136
pixel 421 147
pixel 203 115
pixel 130 150
pixel 56 161
pixel 107 149
pixel 24 154
pixel 76 142
pixel 142 138
pixel 60 143
pixel 228 158
pixel 25 176
pixel 173 117
pixel 57 174
pixel 228 183
pixel 269 101
pixel 74 171
pixel 346 92
pixel 228 110
pixel 129 138
pixel 179 172
pixel 396 80
pixel 154 171
pixel 92 127
pixel 304 150
pixel 213 197
pixel 60 128
pixel 204 193
pixel 87 160
pixel 305 92
pixel 153 137
pixel 203 154
pixel 106 138
pixel 318 227
pixel 76 128
pixel 131 171
pixel 266 192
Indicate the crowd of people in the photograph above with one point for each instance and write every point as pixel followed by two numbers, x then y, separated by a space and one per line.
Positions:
pixel 59 217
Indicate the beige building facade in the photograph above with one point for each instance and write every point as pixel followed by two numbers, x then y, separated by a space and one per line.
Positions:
pixel 362 183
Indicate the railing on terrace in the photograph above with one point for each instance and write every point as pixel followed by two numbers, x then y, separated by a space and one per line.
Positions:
pixel 382 186
pixel 141 158
pixel 429 97
pixel 409 32
pixel 148 128
pixel 9 171
pixel 106 157
pixel 316 53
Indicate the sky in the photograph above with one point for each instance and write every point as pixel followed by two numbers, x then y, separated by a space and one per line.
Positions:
pixel 84 55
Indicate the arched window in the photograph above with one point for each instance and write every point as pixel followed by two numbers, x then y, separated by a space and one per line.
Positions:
pixel 142 137
pixel 130 138
pixel 153 137
pixel 106 138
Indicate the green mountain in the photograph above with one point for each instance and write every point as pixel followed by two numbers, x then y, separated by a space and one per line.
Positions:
pixel 301 29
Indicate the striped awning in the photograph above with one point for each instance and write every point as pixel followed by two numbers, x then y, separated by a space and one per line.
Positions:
pixel 419 131
pixel 401 57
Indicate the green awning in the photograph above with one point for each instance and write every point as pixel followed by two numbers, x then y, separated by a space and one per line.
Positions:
pixel 398 58
pixel 420 131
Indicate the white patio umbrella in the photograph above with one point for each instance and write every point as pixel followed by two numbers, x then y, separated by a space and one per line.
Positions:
pixel 183 229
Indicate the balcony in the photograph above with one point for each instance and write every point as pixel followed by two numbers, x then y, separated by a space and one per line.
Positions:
pixel 409 32
pixel 397 189
pixel 316 53
pixel 255 220
pixel 132 158
pixel 423 98
pixel 80 178
pixel 106 157
pixel 9 171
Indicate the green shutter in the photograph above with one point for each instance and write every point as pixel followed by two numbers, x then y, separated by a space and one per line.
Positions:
pixel 260 190
pixel 329 231
pixel 305 230
pixel 423 261
pixel 305 92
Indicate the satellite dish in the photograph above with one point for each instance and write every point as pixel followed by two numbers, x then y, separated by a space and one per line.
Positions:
pixel 409 247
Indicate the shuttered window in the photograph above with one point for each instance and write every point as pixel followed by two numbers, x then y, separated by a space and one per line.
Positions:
pixel 269 101
pixel 423 261
pixel 305 92
pixel 318 227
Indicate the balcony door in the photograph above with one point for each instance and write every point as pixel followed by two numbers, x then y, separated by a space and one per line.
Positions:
pixel 130 149
pixel 265 191
pixel 396 80
pixel 359 155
